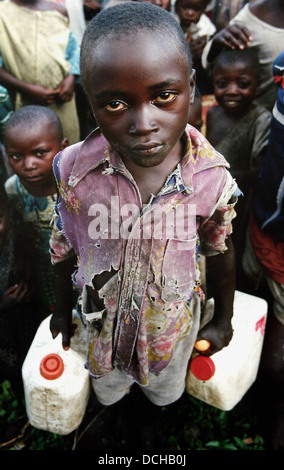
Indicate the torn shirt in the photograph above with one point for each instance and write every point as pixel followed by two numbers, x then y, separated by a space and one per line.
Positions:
pixel 152 248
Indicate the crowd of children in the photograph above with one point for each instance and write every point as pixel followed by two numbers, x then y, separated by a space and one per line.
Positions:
pixel 144 71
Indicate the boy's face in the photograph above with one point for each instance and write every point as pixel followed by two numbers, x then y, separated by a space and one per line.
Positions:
pixel 190 11
pixel 30 152
pixel 140 90
pixel 235 86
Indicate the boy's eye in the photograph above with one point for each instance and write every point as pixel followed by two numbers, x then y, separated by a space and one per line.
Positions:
pixel 221 83
pixel 165 97
pixel 40 152
pixel 15 156
pixel 113 106
pixel 244 84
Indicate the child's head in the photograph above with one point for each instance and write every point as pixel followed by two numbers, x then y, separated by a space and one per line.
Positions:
pixel 136 69
pixel 235 79
pixel 33 136
pixel 190 11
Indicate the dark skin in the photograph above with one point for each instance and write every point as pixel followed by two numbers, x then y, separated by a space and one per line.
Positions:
pixel 238 36
pixel 142 109
pixel 41 95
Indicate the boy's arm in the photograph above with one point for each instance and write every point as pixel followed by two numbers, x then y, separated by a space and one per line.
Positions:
pixel 232 36
pixel 221 279
pixel 64 260
pixel 61 320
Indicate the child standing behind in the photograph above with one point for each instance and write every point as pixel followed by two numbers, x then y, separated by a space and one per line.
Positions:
pixel 237 128
pixel 139 279
pixel 198 29
pixel 39 62
pixel 33 137
pixel 263 263
pixel 18 313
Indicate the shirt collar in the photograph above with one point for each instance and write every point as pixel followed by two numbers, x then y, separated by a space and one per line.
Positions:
pixel 91 155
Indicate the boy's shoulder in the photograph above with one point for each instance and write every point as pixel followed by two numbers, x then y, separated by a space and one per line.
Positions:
pixel 200 154
pixel 75 161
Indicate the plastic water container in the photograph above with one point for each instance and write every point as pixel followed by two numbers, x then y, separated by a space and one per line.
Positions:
pixel 222 379
pixel 56 383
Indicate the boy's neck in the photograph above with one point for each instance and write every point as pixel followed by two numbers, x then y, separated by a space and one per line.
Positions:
pixel 150 180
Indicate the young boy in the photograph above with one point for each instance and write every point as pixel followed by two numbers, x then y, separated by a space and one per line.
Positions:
pixel 33 137
pixel 137 271
pixel 239 130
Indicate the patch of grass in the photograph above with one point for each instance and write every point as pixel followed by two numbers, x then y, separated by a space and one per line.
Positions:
pixel 188 424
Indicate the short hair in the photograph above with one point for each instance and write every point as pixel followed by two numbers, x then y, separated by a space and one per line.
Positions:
pixel 32 115
pixel 126 18
pixel 247 56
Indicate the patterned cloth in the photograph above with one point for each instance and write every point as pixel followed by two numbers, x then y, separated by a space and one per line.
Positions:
pixel 148 301
pixel 40 51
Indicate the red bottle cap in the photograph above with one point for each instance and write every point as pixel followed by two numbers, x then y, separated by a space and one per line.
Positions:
pixel 51 366
pixel 202 367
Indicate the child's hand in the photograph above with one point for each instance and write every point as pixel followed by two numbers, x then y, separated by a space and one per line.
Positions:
pixel 196 46
pixel 15 294
pixel 62 323
pixel 66 89
pixel 234 36
pixel 42 95
pixel 219 335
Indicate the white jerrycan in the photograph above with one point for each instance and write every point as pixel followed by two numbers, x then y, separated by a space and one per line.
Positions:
pixel 222 379
pixel 56 383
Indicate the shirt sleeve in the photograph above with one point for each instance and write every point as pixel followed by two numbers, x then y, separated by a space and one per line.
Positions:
pixel 60 249
pixel 214 230
pixel 72 54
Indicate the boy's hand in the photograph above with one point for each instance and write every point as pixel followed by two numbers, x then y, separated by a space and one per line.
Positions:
pixel 15 294
pixel 42 95
pixel 234 36
pixel 62 323
pixel 218 333
pixel 66 89
pixel 196 46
